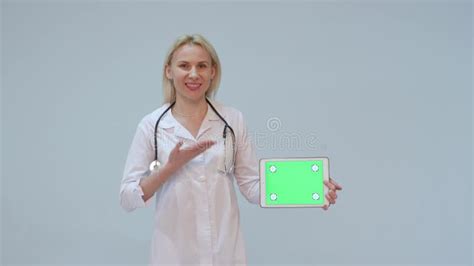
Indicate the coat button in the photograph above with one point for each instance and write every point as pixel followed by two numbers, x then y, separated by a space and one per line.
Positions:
pixel 201 178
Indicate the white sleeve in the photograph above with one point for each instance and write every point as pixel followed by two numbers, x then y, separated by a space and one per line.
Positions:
pixel 246 164
pixel 139 157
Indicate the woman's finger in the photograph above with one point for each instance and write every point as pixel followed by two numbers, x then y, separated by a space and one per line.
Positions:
pixel 330 199
pixel 197 148
pixel 333 194
pixel 330 185
pixel 201 146
pixel 204 145
pixel 336 185
pixel 177 147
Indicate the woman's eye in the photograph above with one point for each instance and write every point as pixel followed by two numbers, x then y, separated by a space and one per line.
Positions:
pixel 202 66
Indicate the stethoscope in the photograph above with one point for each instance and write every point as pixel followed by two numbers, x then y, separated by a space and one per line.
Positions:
pixel 155 164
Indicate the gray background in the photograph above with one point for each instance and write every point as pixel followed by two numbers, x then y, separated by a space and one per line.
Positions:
pixel 385 87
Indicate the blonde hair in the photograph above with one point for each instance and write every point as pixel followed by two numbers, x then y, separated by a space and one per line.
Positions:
pixel 169 92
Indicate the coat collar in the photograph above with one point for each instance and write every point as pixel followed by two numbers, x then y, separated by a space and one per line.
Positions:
pixel 168 121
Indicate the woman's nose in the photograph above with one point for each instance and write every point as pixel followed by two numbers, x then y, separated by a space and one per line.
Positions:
pixel 193 72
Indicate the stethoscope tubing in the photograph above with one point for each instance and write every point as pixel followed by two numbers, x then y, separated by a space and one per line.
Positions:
pixel 224 135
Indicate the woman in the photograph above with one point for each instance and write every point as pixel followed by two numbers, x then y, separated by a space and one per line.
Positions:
pixel 201 146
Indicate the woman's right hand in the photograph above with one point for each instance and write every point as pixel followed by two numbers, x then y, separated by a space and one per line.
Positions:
pixel 180 156
pixel 177 158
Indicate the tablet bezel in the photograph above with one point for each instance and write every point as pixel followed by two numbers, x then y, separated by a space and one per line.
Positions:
pixel 263 181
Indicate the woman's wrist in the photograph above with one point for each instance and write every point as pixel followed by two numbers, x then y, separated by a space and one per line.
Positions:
pixel 166 171
pixel 163 173
pixel 153 182
pixel 169 168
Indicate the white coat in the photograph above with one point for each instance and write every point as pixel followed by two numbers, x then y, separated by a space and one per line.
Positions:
pixel 196 214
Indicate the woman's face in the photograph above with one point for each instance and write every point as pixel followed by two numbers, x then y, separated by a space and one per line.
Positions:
pixel 191 71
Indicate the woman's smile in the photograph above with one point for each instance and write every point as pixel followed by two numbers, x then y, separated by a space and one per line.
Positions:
pixel 193 86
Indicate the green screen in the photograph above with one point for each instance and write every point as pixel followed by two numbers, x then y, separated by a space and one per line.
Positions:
pixel 294 182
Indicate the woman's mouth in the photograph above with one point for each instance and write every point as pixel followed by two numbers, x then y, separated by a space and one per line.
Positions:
pixel 193 86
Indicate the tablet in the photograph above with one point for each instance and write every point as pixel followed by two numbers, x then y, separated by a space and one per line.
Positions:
pixel 293 182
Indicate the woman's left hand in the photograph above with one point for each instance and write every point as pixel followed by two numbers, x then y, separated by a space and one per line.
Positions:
pixel 331 196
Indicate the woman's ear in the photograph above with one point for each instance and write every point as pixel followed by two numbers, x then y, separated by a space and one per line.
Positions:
pixel 213 71
pixel 168 72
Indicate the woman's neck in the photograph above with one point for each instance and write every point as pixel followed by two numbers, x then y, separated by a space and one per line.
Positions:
pixel 185 108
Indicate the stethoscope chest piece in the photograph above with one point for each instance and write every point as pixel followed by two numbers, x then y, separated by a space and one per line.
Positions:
pixel 155 166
